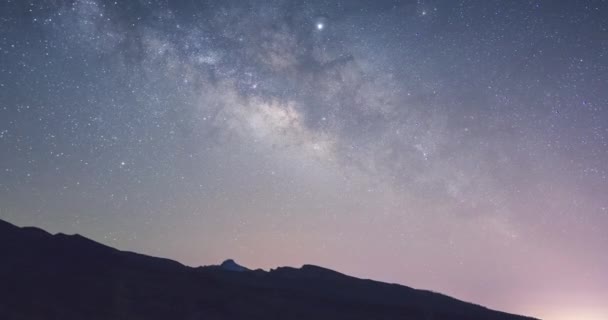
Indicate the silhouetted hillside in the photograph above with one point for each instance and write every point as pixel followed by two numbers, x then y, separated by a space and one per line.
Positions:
pixel 44 276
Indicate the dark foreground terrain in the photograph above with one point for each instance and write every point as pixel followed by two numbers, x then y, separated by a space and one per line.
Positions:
pixel 44 276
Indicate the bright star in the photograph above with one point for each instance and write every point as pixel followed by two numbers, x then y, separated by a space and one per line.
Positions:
pixel 320 26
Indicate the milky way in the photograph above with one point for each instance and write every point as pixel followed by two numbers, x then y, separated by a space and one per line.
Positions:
pixel 458 146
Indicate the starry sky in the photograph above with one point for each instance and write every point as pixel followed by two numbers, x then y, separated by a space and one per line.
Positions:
pixel 457 146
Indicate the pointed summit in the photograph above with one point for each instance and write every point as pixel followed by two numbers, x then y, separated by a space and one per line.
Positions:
pixel 230 265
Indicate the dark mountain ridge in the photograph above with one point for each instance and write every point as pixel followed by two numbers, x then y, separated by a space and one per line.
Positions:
pixel 45 276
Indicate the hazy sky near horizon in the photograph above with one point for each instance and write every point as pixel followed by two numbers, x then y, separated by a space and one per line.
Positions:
pixel 458 146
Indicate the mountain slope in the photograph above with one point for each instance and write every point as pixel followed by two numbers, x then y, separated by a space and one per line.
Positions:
pixel 44 276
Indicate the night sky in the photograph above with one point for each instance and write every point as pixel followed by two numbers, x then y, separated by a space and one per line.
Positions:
pixel 457 146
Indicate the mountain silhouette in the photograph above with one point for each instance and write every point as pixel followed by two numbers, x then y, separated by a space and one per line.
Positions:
pixel 45 276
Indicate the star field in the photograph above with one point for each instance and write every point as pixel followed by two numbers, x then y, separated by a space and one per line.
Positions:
pixel 459 146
